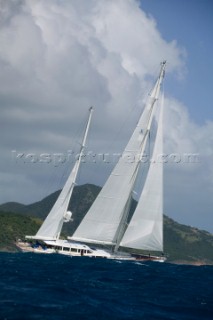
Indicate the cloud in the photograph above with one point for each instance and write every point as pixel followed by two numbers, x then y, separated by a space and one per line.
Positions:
pixel 57 59
pixel 189 173
pixel 129 32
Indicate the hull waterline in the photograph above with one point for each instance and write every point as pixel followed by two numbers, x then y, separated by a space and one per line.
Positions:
pixel 79 250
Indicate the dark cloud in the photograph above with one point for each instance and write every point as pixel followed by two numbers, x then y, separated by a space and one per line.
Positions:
pixel 59 58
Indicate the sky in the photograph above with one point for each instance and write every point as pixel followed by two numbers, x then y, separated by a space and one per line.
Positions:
pixel 59 57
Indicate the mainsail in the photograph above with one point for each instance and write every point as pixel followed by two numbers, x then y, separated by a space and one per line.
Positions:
pixel 104 221
pixel 52 225
pixel 145 230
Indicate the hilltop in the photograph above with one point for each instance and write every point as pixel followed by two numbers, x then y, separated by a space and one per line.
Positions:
pixel 183 244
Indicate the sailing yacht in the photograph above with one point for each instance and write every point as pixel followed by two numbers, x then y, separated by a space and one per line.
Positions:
pixel 47 239
pixel 106 231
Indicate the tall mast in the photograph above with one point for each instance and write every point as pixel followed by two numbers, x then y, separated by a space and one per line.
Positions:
pixel 52 225
pixel 78 161
pixel 91 109
pixel 154 97
pixel 104 221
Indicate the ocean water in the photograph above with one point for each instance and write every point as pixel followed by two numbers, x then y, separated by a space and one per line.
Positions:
pixel 35 286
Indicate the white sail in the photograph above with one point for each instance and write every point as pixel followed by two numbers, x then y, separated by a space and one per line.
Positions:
pixel 145 230
pixel 52 225
pixel 103 221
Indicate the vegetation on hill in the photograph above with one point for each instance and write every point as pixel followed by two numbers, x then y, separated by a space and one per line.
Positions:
pixel 15 226
pixel 182 243
pixel 82 198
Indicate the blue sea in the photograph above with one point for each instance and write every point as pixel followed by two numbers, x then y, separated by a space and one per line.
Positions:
pixel 35 286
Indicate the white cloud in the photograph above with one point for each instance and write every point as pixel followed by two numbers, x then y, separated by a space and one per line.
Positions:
pixel 58 58
pixel 129 32
pixel 189 180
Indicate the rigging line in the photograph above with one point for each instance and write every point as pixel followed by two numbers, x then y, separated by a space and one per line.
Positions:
pixel 113 141
pixel 155 75
pixel 86 147
pixel 69 164
pixel 123 223
pixel 132 109
pixel 55 178
pixel 126 211
pixel 60 172
pixel 144 138
pixel 151 108
pixel 149 144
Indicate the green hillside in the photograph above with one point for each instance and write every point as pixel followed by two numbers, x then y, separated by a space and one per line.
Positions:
pixel 14 226
pixel 182 243
pixel 83 197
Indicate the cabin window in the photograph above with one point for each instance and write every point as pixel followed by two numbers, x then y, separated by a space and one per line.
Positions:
pixel 74 250
pixel 66 249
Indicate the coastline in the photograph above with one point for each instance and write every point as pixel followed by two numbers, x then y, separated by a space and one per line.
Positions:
pixel 196 263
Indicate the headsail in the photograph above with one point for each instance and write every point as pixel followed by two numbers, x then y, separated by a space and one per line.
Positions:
pixel 104 219
pixel 145 230
pixel 52 225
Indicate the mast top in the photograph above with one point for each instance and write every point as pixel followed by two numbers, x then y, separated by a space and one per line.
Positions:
pixel 163 66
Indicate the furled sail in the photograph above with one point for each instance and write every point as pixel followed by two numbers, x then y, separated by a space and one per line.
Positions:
pixel 52 225
pixel 103 220
pixel 145 230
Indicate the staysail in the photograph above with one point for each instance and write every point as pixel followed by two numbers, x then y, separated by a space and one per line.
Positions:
pixel 145 230
pixel 103 221
pixel 52 225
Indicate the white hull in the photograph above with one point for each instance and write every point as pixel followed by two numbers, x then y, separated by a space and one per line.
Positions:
pixel 62 247
pixel 81 250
